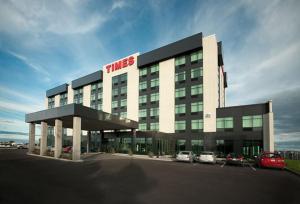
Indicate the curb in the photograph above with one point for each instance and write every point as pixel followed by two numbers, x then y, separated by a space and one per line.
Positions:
pixel 142 157
pixel 59 159
pixel 292 171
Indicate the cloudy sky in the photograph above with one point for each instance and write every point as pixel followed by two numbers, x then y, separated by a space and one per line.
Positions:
pixel 46 43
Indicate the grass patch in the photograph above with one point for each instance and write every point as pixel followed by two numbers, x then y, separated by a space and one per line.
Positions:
pixel 293 165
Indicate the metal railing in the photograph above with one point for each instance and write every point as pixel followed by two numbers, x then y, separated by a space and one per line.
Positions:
pixel 292 155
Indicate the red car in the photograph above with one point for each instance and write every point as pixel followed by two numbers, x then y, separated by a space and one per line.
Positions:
pixel 67 149
pixel 271 160
pixel 233 158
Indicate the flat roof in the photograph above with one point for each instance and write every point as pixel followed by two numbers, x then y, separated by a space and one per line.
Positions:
pixel 88 79
pixel 91 119
pixel 57 90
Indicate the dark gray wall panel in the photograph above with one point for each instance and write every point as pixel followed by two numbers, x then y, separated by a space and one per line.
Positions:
pixel 171 50
pixel 57 90
pixel 88 79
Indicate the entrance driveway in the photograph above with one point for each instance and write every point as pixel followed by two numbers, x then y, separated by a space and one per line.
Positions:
pixel 112 179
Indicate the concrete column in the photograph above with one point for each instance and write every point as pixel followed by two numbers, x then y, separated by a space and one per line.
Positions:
pixel 76 138
pixel 43 145
pixel 58 138
pixel 88 142
pixel 31 137
pixel 133 143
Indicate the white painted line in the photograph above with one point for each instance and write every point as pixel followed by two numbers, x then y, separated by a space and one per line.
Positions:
pixel 223 165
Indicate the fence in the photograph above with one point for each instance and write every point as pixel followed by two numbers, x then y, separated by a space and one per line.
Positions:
pixel 293 155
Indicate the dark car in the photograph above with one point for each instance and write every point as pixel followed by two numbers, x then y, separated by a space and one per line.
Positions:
pixel 236 159
pixel 270 160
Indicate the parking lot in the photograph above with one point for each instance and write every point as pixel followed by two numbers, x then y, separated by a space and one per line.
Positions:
pixel 112 179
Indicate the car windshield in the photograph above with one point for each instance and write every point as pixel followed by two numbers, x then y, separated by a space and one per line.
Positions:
pixel 207 153
pixel 185 153
pixel 272 155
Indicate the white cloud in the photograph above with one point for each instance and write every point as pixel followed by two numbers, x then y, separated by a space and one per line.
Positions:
pixel 117 5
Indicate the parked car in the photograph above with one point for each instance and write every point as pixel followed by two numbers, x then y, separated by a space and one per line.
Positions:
pixel 233 158
pixel 207 157
pixel 67 149
pixel 22 146
pixel 270 160
pixel 187 156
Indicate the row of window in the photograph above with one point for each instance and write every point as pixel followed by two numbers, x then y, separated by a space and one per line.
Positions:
pixel 153 112
pixel 153 83
pixel 195 73
pixel 195 90
pixel 119 79
pixel 195 56
pixel 153 97
pixel 115 91
pixel 153 69
pixel 115 104
pixel 195 107
pixel 195 125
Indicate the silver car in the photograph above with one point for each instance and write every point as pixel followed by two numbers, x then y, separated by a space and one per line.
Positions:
pixel 187 156
pixel 207 157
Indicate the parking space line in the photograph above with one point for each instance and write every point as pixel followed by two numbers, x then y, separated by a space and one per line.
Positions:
pixel 223 165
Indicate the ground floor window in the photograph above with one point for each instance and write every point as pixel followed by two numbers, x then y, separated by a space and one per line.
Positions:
pixel 180 145
pixel 252 148
pixel 197 146
pixel 224 146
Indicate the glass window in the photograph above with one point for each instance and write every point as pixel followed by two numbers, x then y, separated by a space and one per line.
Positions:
pixel 180 125
pixel 143 113
pixel 99 106
pixel 252 121
pixel 143 99
pixel 94 86
pixel 257 121
pixel 99 85
pixel 154 82
pixel 123 90
pixel 154 97
pixel 115 80
pixel 154 68
pixel 154 111
pixel 196 72
pixel 123 102
pixel 123 114
pixel 123 77
pixel 180 92
pixel 225 123
pixel 180 76
pixel 197 107
pixel 247 121
pixel 197 124
pixel 196 89
pixel 143 72
pixel 195 56
pixel 179 109
pixel 180 61
pixel 93 97
pixel 154 126
pixel 142 126
pixel 143 85
pixel 100 95
pixel 115 92
pixel 114 104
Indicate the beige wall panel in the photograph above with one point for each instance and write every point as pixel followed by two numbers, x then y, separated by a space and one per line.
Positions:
pixel 87 95
pixel 167 96
pixel 210 83
pixel 70 95
pixel 46 102
pixel 268 130
pixel 57 101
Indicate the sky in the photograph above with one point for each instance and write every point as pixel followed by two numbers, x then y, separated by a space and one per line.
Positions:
pixel 44 44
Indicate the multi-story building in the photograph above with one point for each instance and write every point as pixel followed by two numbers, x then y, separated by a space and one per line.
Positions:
pixel 174 96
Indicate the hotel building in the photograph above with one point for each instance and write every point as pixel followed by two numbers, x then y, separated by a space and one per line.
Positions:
pixel 163 101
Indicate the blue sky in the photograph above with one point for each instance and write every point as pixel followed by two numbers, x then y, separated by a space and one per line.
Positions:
pixel 46 43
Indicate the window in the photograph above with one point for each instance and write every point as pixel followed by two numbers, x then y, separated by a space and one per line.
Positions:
pixel 143 113
pixel 196 107
pixel 51 102
pixel 180 61
pixel 197 89
pixel 180 92
pixel 154 112
pixel 99 95
pixel 143 85
pixel 180 109
pixel 123 114
pixel 63 99
pixel 115 80
pixel 195 56
pixel 143 99
pixel 94 86
pixel 154 68
pixel 142 126
pixel 225 123
pixel 154 97
pixel 180 125
pixel 78 95
pixel 154 82
pixel 252 121
pixel 154 126
pixel 123 90
pixel 180 76
pixel 123 78
pixel 196 72
pixel 114 104
pixel 197 124
pixel 99 106
pixel 123 102
pixel 99 85
pixel 115 92
pixel 93 97
pixel 143 72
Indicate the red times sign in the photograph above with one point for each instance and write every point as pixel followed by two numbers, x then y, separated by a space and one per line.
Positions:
pixel 120 64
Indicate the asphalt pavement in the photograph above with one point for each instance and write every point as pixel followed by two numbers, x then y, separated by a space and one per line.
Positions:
pixel 113 179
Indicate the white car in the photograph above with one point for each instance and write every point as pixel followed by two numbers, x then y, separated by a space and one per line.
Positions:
pixel 187 156
pixel 207 157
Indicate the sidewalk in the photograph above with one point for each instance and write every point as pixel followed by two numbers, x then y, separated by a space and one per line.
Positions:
pixel 138 156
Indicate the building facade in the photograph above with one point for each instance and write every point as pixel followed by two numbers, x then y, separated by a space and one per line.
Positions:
pixel 176 93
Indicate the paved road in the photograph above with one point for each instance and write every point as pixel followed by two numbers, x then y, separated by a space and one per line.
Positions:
pixel 112 179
